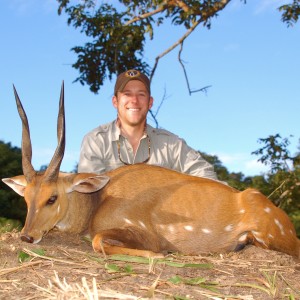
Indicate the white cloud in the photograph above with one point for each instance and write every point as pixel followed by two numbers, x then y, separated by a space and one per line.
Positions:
pixel 231 158
pixel 242 162
pixel 255 167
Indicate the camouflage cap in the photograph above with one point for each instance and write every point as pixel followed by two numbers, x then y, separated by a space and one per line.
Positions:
pixel 126 76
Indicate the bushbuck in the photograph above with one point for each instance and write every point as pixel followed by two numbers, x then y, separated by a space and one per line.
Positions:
pixel 145 210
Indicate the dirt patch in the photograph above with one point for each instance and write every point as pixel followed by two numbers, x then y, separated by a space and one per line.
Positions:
pixel 64 266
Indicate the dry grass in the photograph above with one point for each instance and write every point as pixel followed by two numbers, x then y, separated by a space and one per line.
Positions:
pixel 65 267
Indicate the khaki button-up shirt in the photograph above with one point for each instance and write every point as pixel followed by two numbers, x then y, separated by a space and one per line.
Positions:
pixel 103 147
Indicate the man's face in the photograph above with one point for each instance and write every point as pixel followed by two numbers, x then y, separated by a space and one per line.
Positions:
pixel 133 103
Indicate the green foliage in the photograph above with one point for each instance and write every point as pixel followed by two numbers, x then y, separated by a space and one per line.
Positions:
pixel 113 268
pixel 275 153
pixel 281 184
pixel 113 47
pixel 12 206
pixel 117 32
pixel 236 180
pixel 283 181
pixel 27 256
pixel 7 225
pixel 290 12
pixel 284 176
pixel 286 193
pixel 199 281
pixel 166 261
pixel 284 173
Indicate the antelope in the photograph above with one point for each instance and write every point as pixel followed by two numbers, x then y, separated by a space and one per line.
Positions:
pixel 145 210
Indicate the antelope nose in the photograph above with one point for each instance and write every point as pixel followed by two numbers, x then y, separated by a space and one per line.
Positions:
pixel 27 239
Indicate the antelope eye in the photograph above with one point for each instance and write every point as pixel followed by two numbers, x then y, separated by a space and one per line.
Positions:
pixel 51 200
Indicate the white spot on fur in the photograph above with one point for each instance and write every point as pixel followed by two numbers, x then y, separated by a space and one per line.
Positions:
pixel 37 211
pixel 188 227
pixel 128 221
pixel 229 227
pixel 267 209
pixel 255 192
pixel 61 226
pixel 142 224
pixel 205 230
pixel 242 211
pixel 280 226
pixel 270 236
pixel 243 237
pixel 260 240
pixel 171 228
pixel 58 209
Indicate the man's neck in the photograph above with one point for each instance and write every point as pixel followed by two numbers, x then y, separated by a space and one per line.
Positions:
pixel 132 133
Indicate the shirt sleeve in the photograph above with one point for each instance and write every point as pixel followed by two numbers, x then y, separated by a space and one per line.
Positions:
pixel 189 161
pixel 91 158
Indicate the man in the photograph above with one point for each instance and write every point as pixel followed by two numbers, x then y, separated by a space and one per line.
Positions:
pixel 129 139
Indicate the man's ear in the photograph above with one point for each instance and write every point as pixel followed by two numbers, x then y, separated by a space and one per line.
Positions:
pixel 151 100
pixel 115 101
pixel 17 183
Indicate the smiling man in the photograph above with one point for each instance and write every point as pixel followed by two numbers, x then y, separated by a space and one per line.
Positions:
pixel 129 139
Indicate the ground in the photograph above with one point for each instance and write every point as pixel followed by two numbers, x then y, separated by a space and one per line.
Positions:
pixel 64 266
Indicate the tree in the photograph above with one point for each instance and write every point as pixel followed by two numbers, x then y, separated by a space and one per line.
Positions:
pixel 281 184
pixel 235 180
pixel 118 32
pixel 284 175
pixel 275 153
pixel 12 206
pixel 290 12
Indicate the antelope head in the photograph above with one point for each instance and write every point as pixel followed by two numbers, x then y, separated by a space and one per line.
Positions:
pixel 40 189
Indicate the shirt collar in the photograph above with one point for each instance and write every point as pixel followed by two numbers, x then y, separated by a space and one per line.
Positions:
pixel 116 132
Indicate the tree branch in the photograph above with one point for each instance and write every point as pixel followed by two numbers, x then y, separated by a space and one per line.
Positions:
pixel 154 117
pixel 173 47
pixel 162 7
pixel 154 114
pixel 204 89
pixel 181 4
pixel 147 15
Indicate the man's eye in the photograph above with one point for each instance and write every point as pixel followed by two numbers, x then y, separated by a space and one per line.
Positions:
pixel 51 200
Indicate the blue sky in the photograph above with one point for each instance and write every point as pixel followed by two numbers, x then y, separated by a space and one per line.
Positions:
pixel 249 57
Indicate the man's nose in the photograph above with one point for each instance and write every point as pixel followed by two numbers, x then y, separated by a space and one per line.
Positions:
pixel 134 98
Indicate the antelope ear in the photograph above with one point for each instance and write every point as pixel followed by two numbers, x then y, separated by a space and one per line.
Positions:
pixel 88 183
pixel 17 183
